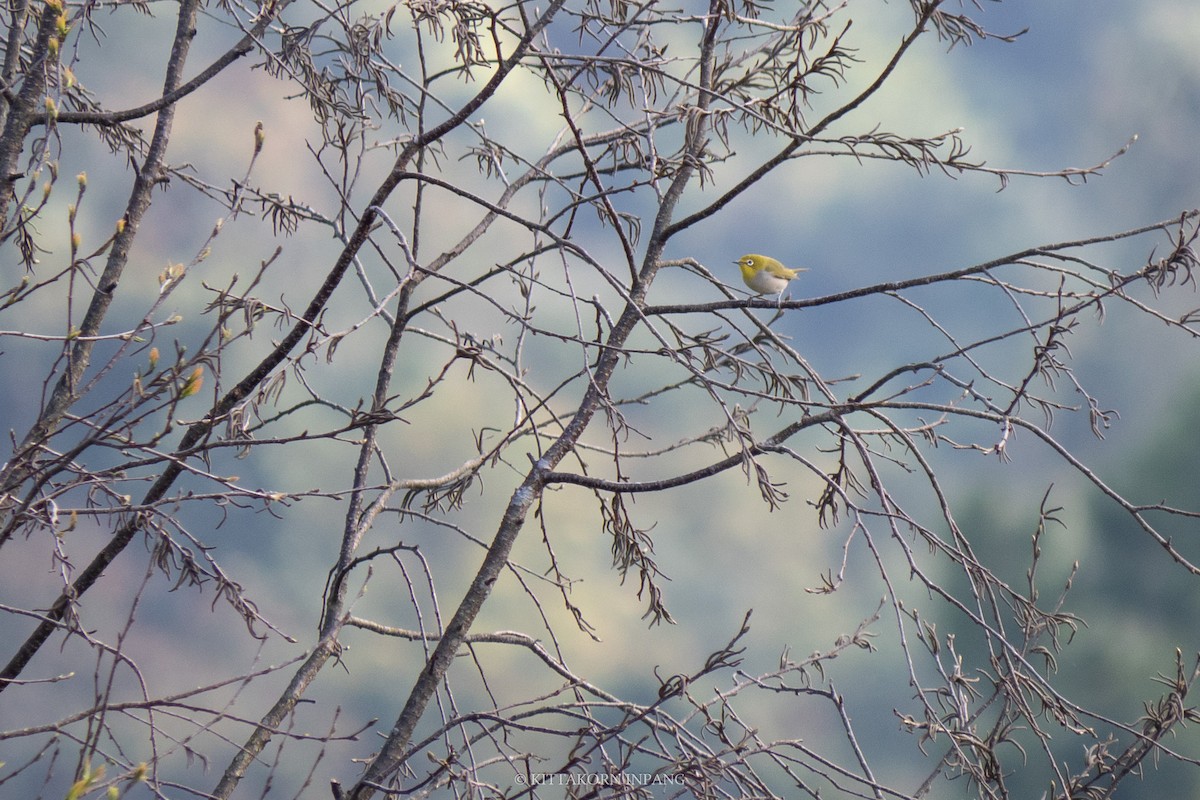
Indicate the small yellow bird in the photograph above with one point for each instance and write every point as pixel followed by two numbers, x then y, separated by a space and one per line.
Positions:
pixel 765 275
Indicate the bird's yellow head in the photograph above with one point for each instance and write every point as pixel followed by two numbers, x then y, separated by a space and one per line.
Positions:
pixel 752 263
pixel 749 264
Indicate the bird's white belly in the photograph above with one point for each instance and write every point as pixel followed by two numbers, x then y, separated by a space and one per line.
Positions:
pixel 764 282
